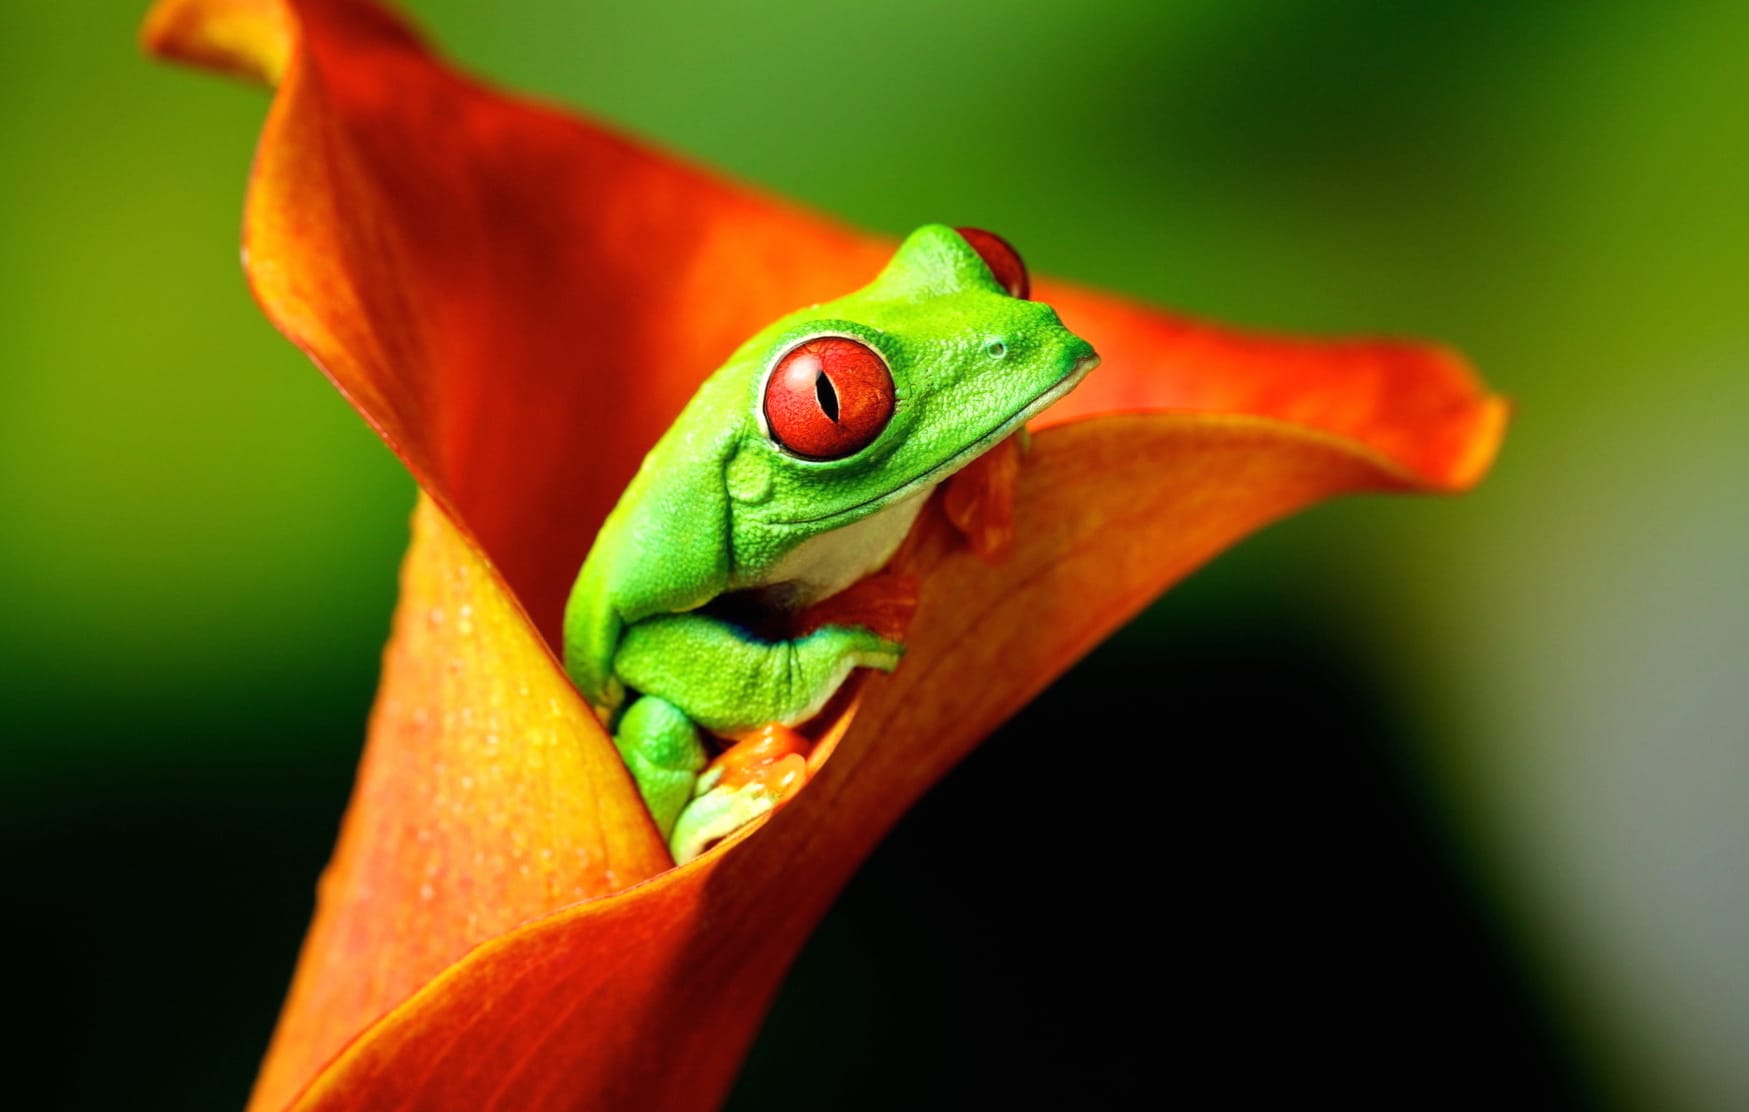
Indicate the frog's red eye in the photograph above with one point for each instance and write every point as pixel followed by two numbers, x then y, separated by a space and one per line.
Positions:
pixel 828 398
pixel 1002 259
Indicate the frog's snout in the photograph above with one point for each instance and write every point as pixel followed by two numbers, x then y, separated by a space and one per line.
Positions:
pixel 1081 358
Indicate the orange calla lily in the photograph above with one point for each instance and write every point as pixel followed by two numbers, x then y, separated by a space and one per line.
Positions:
pixel 519 301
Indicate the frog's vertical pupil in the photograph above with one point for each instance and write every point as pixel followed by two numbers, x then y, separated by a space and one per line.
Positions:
pixel 828 396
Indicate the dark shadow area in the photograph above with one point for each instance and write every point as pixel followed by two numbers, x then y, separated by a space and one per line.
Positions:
pixel 1195 865
pixel 155 911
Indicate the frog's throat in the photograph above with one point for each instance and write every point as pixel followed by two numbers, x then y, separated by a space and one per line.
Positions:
pixel 953 463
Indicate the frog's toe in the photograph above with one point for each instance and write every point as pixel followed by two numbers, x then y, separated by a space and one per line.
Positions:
pixel 727 803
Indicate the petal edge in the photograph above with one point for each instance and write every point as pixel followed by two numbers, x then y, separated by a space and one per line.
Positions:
pixel 488 796
pixel 250 39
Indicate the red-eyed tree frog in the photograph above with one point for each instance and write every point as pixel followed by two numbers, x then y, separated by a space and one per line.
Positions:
pixel 795 471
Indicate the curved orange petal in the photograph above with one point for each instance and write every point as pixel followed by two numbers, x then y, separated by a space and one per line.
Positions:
pixel 648 998
pixel 489 796
pixel 1417 405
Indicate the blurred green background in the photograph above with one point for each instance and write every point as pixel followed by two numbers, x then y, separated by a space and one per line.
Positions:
pixel 1436 801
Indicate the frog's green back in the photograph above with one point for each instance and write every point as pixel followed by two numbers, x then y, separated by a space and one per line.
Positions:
pixel 662 549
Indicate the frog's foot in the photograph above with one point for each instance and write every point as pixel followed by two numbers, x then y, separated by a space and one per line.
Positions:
pixel 748 779
pixel 661 748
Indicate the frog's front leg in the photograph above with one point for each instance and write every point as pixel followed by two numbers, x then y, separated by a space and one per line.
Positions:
pixel 728 680
pixel 692 668
pixel 662 750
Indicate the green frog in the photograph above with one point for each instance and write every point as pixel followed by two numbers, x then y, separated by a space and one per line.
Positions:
pixel 794 472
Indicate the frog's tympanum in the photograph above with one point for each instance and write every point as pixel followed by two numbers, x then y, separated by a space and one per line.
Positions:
pixel 795 471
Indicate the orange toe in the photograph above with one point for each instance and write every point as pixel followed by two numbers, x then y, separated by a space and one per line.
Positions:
pixel 773 755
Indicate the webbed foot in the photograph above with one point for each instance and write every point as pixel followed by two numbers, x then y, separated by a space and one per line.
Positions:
pixel 748 779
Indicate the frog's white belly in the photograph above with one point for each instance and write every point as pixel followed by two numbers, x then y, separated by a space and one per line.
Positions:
pixel 823 565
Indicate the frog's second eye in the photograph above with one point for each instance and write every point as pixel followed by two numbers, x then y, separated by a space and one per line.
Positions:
pixel 1003 260
pixel 828 398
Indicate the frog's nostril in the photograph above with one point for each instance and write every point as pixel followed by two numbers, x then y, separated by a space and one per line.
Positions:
pixel 996 349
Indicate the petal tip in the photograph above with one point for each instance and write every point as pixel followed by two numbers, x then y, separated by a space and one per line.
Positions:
pixel 250 39
pixel 1479 433
pixel 1487 432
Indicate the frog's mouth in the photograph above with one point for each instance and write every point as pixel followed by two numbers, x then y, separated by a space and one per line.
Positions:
pixel 1047 398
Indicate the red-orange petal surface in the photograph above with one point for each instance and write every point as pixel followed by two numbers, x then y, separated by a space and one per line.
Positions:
pixel 1418 406
pixel 980 499
pixel 647 999
pixel 519 301
pixel 488 797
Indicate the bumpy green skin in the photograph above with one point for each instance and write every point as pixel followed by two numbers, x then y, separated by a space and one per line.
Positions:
pixel 719 507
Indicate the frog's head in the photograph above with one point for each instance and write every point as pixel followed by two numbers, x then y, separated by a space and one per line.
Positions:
pixel 860 402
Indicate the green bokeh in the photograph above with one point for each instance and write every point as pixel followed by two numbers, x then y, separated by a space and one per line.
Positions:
pixel 200 538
